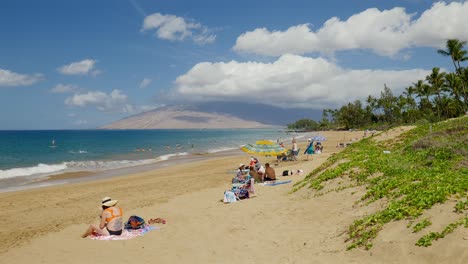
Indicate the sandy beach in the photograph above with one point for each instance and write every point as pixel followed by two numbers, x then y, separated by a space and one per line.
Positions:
pixel 44 225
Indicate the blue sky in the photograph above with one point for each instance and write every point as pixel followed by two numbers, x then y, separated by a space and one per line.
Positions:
pixel 82 64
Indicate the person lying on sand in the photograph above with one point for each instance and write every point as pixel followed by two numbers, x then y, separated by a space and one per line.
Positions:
pixel 292 172
pixel 111 220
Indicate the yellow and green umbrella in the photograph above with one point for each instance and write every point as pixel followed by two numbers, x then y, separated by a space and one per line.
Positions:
pixel 265 148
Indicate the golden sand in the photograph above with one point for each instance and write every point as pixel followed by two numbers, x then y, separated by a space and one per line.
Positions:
pixel 44 225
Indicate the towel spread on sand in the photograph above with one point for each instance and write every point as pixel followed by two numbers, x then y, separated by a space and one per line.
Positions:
pixel 276 183
pixel 126 234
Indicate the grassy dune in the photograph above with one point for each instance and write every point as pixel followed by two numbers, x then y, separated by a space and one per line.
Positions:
pixel 407 176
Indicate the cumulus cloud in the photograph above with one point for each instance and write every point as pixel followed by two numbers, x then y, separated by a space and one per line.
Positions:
pixel 384 32
pixel 64 88
pixel 9 78
pixel 174 28
pixel 113 101
pixel 83 67
pixel 145 82
pixel 290 81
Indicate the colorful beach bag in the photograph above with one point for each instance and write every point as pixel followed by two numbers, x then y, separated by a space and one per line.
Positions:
pixel 135 222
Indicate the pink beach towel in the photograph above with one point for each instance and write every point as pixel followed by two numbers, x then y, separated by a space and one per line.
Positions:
pixel 126 234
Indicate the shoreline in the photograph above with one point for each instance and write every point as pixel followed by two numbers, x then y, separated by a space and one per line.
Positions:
pixel 148 163
pixel 11 185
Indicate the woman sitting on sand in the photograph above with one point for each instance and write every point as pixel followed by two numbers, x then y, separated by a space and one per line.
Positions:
pixel 240 176
pixel 254 174
pixel 111 220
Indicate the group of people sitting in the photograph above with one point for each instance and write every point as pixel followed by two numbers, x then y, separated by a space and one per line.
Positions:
pixel 257 171
pixel 243 183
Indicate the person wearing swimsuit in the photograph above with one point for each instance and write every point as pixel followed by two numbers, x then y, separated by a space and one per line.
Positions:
pixel 111 220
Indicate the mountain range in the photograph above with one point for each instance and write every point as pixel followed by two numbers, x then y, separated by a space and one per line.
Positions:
pixel 214 115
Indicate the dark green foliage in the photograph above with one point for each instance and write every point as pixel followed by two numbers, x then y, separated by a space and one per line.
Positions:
pixel 426 166
pixel 438 97
pixel 304 124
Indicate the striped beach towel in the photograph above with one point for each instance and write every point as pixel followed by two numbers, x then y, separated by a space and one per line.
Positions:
pixel 126 234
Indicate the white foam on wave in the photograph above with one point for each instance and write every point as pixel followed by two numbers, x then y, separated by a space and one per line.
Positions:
pixel 29 171
pixel 168 156
pixel 41 170
pixel 71 166
pixel 216 150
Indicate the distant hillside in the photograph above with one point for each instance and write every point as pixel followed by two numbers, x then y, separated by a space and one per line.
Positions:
pixel 213 115
pixel 179 118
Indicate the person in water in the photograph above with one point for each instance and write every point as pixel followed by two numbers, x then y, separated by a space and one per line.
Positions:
pixel 111 220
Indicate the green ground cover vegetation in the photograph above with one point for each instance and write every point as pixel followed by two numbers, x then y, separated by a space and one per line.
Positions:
pixel 421 168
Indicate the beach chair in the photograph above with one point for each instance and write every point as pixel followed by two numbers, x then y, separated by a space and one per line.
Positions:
pixel 291 156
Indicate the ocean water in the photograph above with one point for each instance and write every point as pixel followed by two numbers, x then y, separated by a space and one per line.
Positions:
pixel 35 154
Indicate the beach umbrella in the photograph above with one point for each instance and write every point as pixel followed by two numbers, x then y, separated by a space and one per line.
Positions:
pixel 264 148
pixel 319 138
pixel 265 142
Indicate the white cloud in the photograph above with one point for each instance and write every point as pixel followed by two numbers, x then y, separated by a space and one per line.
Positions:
pixel 291 81
pixel 115 100
pixel 384 32
pixel 80 68
pixel 64 88
pixel 170 27
pixel 145 82
pixel 9 78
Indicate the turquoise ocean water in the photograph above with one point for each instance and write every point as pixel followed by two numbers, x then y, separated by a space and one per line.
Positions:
pixel 29 155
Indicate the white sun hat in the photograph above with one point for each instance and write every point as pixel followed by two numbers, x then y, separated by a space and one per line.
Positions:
pixel 107 201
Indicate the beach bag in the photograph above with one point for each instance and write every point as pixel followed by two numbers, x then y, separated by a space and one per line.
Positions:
pixel 135 222
pixel 229 197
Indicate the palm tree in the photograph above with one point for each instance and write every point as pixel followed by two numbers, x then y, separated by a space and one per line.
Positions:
pixel 409 103
pixel 423 91
pixel 458 54
pixel 454 85
pixel 436 80
pixel 455 51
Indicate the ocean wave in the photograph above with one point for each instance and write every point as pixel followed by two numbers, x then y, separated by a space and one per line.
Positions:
pixel 215 150
pixel 36 170
pixel 168 156
pixel 78 152
pixel 41 169
pixel 75 166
